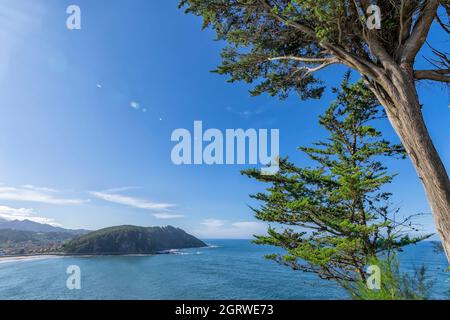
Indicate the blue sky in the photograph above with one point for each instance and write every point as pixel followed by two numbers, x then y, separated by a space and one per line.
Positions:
pixel 86 118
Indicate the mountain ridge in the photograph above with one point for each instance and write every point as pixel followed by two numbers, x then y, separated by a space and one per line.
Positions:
pixel 28 225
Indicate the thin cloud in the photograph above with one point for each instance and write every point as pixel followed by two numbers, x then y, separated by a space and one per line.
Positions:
pixel 165 216
pixel 213 223
pixel 32 187
pixel 21 214
pixel 216 229
pixel 29 193
pixel 245 113
pixel 121 189
pixel 249 225
pixel 130 201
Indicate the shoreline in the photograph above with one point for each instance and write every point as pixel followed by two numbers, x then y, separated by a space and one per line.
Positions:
pixel 23 257
pixel 49 256
pixel 27 257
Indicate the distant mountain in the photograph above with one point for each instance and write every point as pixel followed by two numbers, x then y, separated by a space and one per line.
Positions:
pixel 132 240
pixel 27 225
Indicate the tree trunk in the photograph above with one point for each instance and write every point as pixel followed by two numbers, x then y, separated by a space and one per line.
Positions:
pixel 406 117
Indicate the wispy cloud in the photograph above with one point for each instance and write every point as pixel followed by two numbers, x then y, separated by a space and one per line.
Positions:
pixel 245 113
pixel 165 215
pixel 44 189
pixel 216 228
pixel 249 225
pixel 213 223
pixel 30 193
pixel 131 201
pixel 121 189
pixel 21 214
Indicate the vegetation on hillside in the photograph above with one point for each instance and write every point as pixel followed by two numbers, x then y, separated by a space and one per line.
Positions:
pixel 8 237
pixel 132 239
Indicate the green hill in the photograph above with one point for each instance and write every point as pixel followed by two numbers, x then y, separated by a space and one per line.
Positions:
pixel 132 240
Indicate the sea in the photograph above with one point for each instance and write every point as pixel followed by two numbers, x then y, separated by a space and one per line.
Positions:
pixel 227 269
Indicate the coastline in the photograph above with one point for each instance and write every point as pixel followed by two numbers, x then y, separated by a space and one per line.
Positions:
pixel 25 257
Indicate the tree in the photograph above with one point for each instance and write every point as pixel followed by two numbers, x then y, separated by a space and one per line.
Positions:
pixel 280 45
pixel 335 217
pixel 396 285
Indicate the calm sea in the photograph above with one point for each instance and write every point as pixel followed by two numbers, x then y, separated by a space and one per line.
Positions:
pixel 231 269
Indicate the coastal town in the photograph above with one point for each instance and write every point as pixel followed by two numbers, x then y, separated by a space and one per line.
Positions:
pixel 29 248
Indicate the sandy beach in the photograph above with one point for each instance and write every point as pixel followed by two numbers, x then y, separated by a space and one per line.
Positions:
pixel 4 259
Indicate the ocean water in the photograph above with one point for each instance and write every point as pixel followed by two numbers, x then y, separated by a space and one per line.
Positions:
pixel 231 269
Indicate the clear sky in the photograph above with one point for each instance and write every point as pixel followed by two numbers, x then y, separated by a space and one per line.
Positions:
pixel 86 118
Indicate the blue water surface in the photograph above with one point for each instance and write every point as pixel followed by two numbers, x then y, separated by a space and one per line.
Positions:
pixel 231 269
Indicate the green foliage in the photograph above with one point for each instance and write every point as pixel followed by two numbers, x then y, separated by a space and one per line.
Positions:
pixel 395 285
pixel 336 215
pixel 132 239
pixel 253 36
pixel 258 30
pixel 333 218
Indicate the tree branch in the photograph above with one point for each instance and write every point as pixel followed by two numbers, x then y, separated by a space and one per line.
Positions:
pixel 419 33
pixel 343 56
pixel 323 65
pixel 301 59
pixel 442 75
pixel 443 25
pixel 305 29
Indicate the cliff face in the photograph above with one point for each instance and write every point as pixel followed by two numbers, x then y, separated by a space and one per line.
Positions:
pixel 132 239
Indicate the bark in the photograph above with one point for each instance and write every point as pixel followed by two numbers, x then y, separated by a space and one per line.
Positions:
pixel 400 99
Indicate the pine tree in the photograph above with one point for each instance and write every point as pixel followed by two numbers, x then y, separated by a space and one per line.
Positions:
pixel 280 46
pixel 334 218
